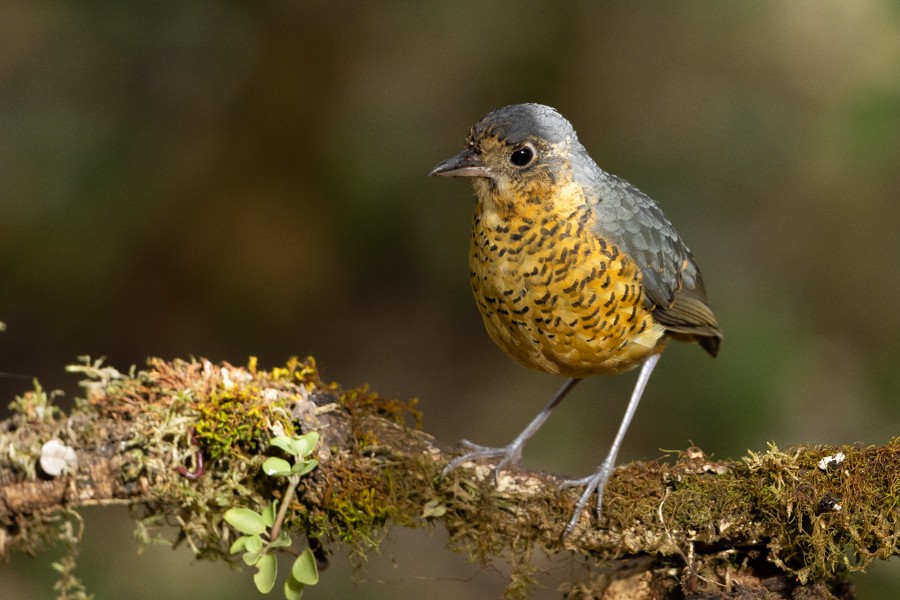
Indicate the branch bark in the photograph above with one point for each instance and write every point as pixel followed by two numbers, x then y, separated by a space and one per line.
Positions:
pixel 779 524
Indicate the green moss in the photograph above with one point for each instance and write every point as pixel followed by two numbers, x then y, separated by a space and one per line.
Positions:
pixel 363 402
pixel 360 500
pixel 237 421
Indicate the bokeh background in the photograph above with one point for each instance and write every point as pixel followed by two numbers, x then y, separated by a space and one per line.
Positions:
pixel 222 180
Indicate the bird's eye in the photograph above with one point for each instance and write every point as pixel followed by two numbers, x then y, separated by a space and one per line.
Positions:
pixel 522 157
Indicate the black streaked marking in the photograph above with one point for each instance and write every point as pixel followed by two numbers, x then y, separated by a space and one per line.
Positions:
pixel 633 315
pixel 592 315
pixel 549 231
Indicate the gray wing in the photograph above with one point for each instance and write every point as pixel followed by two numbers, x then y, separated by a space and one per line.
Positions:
pixel 672 281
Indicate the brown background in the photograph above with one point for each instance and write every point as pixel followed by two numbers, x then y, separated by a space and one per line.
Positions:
pixel 225 180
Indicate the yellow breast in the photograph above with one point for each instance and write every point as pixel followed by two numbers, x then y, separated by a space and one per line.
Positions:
pixel 556 296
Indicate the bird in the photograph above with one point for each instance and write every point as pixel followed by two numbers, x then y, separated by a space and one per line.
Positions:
pixel 575 271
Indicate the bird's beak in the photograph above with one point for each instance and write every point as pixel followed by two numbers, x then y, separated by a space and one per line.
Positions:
pixel 467 163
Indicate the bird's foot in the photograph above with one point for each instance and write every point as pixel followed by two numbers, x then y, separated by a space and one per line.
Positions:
pixel 510 455
pixel 592 483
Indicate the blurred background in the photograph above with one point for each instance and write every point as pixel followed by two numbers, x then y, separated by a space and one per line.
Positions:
pixel 225 180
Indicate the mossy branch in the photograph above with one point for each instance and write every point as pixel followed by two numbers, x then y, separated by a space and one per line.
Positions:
pixel 775 522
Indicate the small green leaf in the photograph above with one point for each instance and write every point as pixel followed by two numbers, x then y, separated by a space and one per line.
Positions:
pixel 268 513
pixel 254 544
pixel 239 544
pixel 305 443
pixel 276 467
pixel 283 540
pixel 304 568
pixel 283 442
pixel 293 589
pixel 433 508
pixel 245 520
pixel 302 468
pixel 251 558
pixel 267 570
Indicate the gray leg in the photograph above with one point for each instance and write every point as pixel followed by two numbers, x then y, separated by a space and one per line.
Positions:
pixel 598 480
pixel 512 453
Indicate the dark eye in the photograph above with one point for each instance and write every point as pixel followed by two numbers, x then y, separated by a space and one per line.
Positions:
pixel 522 157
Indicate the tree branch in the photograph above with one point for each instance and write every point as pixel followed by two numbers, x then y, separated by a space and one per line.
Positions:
pixel 771 523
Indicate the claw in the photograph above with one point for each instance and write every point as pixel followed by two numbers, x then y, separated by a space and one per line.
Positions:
pixel 596 482
pixel 510 454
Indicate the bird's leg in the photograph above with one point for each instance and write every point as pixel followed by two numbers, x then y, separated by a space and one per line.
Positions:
pixel 597 481
pixel 512 453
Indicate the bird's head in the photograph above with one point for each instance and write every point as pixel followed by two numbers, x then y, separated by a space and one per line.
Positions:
pixel 516 154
